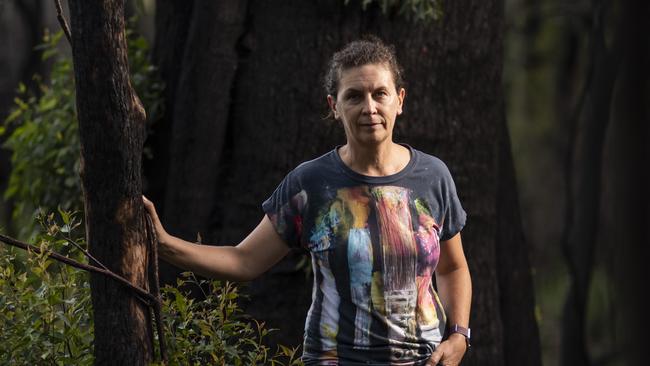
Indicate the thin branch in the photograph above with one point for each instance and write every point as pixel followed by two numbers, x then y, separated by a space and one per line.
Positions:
pixel 65 310
pixel 145 296
pixel 154 286
pixel 85 252
pixel 62 21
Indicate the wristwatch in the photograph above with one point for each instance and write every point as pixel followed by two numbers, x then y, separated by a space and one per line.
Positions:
pixel 466 332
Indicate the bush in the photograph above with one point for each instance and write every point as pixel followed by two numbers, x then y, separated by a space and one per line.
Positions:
pixel 46 312
pixel 45 309
pixel 215 331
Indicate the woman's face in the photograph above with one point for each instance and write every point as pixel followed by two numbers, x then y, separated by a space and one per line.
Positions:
pixel 367 104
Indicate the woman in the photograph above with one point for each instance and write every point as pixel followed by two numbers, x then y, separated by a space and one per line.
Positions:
pixel 377 217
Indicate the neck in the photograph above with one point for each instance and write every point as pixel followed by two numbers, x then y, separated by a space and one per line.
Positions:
pixel 377 160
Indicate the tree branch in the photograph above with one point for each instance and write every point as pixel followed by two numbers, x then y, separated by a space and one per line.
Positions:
pixel 62 21
pixel 143 294
pixel 154 284
pixel 86 253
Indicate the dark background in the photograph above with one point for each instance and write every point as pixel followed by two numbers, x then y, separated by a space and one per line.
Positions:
pixel 569 78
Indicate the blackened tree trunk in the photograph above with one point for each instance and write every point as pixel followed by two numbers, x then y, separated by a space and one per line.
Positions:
pixel 250 107
pixel 172 24
pixel 627 178
pixel 111 127
pixel 584 188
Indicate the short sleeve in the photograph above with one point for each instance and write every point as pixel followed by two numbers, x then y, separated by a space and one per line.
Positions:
pixel 285 209
pixel 454 216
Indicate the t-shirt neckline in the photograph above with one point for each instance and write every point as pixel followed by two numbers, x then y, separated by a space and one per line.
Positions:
pixel 375 179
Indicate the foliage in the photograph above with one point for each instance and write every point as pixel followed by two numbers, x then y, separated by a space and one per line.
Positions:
pixel 46 318
pixel 44 143
pixel 215 331
pixel 44 137
pixel 418 10
pixel 45 306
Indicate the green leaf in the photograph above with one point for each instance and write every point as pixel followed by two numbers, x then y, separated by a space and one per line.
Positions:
pixel 65 216
pixel 46 104
pixel 14 115
pixel 20 103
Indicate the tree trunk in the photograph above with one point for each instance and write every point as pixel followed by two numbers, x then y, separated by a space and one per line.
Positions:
pixel 111 127
pixel 172 23
pixel 515 273
pixel 626 196
pixel 584 179
pixel 265 115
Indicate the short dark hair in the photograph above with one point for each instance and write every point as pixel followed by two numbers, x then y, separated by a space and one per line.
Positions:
pixel 368 50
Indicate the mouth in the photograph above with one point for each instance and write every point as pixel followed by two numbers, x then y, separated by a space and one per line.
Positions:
pixel 371 124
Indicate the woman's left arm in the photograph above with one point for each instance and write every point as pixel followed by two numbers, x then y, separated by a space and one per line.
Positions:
pixel 455 290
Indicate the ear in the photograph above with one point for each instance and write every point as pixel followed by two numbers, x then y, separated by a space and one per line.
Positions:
pixel 332 103
pixel 400 98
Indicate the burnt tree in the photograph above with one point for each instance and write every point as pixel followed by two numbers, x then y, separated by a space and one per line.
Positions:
pixel 248 106
pixel 111 127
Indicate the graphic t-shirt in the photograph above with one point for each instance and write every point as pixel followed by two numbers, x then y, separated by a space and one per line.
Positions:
pixel 374 244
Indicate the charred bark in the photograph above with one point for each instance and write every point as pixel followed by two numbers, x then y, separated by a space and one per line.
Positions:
pixel 627 181
pixel 172 22
pixel 514 267
pixel 201 114
pixel 111 127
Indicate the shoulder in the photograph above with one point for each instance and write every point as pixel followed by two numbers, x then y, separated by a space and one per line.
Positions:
pixel 431 163
pixel 314 167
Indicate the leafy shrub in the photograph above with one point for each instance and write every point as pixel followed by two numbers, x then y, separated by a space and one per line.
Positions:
pixel 215 331
pixel 45 309
pixel 46 313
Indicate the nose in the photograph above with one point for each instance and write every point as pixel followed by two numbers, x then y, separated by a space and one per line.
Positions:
pixel 369 105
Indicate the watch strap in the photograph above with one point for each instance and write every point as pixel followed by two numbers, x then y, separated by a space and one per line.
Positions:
pixel 466 332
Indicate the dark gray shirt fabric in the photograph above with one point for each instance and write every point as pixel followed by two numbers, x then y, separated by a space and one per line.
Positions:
pixel 374 244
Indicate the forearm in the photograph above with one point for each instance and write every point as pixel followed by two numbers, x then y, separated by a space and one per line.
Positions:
pixel 455 290
pixel 220 262
pixel 260 250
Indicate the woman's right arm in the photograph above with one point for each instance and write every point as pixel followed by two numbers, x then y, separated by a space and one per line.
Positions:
pixel 258 252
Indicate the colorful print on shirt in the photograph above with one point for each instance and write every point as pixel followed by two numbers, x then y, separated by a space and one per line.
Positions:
pixel 374 244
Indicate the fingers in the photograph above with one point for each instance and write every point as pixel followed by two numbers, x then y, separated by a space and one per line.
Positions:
pixel 149 206
pixel 446 355
pixel 151 209
pixel 435 358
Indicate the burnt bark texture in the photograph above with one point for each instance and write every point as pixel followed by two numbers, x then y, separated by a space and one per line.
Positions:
pixel 626 186
pixel 111 127
pixel 249 107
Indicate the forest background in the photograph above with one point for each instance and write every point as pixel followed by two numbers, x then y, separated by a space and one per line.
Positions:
pixel 575 100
